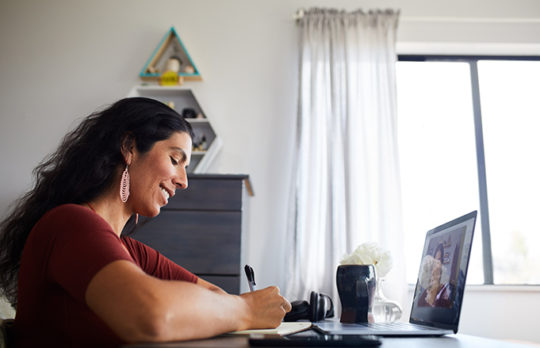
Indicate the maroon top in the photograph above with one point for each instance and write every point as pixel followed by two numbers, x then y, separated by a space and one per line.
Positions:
pixel 63 252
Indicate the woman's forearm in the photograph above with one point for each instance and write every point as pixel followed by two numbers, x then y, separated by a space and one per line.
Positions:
pixel 138 307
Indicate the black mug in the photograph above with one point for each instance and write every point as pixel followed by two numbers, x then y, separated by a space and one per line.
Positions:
pixel 356 287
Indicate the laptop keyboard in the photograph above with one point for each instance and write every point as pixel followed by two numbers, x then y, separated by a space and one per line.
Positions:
pixel 398 326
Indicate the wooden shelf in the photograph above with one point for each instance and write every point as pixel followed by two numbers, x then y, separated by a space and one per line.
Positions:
pixel 170 46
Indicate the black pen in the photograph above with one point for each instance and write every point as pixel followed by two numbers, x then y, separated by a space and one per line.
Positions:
pixel 250 277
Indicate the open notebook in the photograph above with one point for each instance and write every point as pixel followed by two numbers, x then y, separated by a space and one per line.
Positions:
pixel 286 328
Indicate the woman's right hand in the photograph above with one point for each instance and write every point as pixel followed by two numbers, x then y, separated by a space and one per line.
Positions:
pixel 266 308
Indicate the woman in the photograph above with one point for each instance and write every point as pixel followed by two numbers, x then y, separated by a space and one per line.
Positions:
pixel 436 294
pixel 79 281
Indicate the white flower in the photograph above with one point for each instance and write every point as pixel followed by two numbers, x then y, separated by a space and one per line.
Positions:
pixel 370 254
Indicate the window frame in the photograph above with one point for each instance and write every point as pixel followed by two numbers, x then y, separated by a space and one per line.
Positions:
pixel 472 60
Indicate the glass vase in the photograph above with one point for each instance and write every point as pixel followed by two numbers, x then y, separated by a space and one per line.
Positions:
pixel 384 310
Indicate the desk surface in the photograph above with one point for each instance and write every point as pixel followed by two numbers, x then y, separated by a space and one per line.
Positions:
pixel 452 341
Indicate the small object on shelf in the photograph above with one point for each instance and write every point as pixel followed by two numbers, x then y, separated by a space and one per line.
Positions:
pixel 189 113
pixel 170 47
pixel 173 64
pixel 203 143
pixel 200 145
pixel 170 78
pixel 200 116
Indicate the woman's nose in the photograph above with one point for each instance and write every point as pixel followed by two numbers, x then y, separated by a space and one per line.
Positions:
pixel 181 180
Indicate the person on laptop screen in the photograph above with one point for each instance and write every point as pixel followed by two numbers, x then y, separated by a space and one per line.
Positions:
pixel 441 275
pixel 75 280
pixel 435 294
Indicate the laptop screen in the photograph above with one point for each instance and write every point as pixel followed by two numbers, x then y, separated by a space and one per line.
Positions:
pixel 438 295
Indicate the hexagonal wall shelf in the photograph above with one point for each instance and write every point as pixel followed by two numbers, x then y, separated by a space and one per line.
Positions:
pixel 206 143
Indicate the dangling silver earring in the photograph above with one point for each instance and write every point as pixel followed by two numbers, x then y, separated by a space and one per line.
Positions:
pixel 124 185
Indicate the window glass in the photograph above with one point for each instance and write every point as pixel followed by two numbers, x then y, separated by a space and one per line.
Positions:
pixel 509 93
pixel 437 148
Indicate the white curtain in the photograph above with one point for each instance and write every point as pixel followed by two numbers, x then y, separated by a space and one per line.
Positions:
pixel 346 175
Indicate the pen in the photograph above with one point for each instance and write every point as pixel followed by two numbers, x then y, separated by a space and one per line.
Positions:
pixel 250 277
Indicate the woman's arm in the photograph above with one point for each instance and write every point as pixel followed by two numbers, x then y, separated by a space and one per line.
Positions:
pixel 209 285
pixel 139 307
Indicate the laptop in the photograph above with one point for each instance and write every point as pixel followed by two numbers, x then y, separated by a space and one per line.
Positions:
pixel 440 285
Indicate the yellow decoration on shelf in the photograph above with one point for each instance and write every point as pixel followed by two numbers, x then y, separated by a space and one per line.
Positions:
pixel 170 78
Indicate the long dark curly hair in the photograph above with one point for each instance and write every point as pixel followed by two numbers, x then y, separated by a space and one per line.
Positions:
pixel 83 167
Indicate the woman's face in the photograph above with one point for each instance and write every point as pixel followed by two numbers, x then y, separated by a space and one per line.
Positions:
pixel 156 174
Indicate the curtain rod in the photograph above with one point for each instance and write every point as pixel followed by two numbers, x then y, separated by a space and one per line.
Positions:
pixel 299 14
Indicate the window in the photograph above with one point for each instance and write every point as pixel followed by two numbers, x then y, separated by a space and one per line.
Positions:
pixel 469 139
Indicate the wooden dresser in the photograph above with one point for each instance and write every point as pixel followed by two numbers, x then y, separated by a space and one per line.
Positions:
pixel 202 228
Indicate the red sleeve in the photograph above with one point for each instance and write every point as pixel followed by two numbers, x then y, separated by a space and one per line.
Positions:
pixel 155 264
pixel 83 243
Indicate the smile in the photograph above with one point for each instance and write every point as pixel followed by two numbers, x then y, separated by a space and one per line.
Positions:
pixel 166 194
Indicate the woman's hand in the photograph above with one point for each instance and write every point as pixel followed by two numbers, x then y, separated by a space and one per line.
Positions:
pixel 266 308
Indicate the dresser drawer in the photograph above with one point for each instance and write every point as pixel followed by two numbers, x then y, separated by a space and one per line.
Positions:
pixel 202 242
pixel 208 194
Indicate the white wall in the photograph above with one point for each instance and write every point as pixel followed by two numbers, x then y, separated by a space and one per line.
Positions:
pixel 61 59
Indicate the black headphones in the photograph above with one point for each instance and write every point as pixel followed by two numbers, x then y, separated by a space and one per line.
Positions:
pixel 320 306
